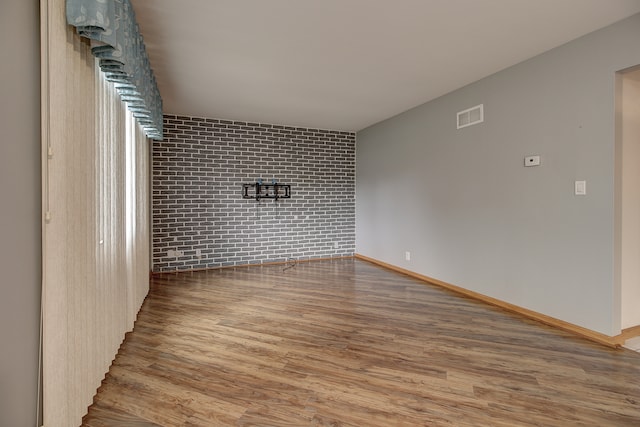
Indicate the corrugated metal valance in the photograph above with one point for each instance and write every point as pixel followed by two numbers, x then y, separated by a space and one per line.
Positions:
pixel 116 41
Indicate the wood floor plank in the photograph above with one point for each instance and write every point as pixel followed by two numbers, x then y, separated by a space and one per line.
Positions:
pixel 347 343
pixel 109 417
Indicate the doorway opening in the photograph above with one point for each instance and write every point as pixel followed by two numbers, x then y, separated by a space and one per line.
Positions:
pixel 628 200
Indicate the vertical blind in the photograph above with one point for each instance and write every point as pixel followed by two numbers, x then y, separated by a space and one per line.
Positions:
pixel 96 220
pixel 115 38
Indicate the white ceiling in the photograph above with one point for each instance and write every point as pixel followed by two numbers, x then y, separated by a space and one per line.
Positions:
pixel 345 64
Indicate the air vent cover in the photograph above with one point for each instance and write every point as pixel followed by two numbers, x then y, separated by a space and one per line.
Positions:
pixel 471 116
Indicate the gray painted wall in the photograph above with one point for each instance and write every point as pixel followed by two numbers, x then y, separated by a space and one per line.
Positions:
pixel 20 211
pixel 469 212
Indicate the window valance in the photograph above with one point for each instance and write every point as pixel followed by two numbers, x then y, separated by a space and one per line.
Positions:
pixel 115 39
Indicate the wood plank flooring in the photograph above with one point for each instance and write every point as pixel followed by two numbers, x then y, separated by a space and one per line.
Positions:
pixel 347 343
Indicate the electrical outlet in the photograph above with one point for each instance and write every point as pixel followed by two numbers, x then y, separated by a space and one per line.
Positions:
pixel 335 245
pixel 407 256
pixel 198 253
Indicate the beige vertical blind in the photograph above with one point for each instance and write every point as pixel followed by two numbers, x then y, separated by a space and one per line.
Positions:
pixel 95 225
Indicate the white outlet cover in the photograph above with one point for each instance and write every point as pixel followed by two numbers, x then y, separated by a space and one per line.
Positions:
pixel 581 188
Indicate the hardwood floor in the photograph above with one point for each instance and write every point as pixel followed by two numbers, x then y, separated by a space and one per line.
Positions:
pixel 347 343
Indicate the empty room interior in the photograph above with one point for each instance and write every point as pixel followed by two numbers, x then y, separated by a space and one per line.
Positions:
pixel 320 213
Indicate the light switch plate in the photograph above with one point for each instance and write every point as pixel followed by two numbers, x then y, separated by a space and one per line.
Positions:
pixel 581 188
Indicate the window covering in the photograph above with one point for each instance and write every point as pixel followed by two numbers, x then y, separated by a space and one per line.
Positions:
pixel 95 222
pixel 116 41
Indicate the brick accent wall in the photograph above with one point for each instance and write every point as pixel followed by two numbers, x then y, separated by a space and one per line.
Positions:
pixel 198 209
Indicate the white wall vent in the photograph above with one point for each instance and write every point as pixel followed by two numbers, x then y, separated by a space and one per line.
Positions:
pixel 471 116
